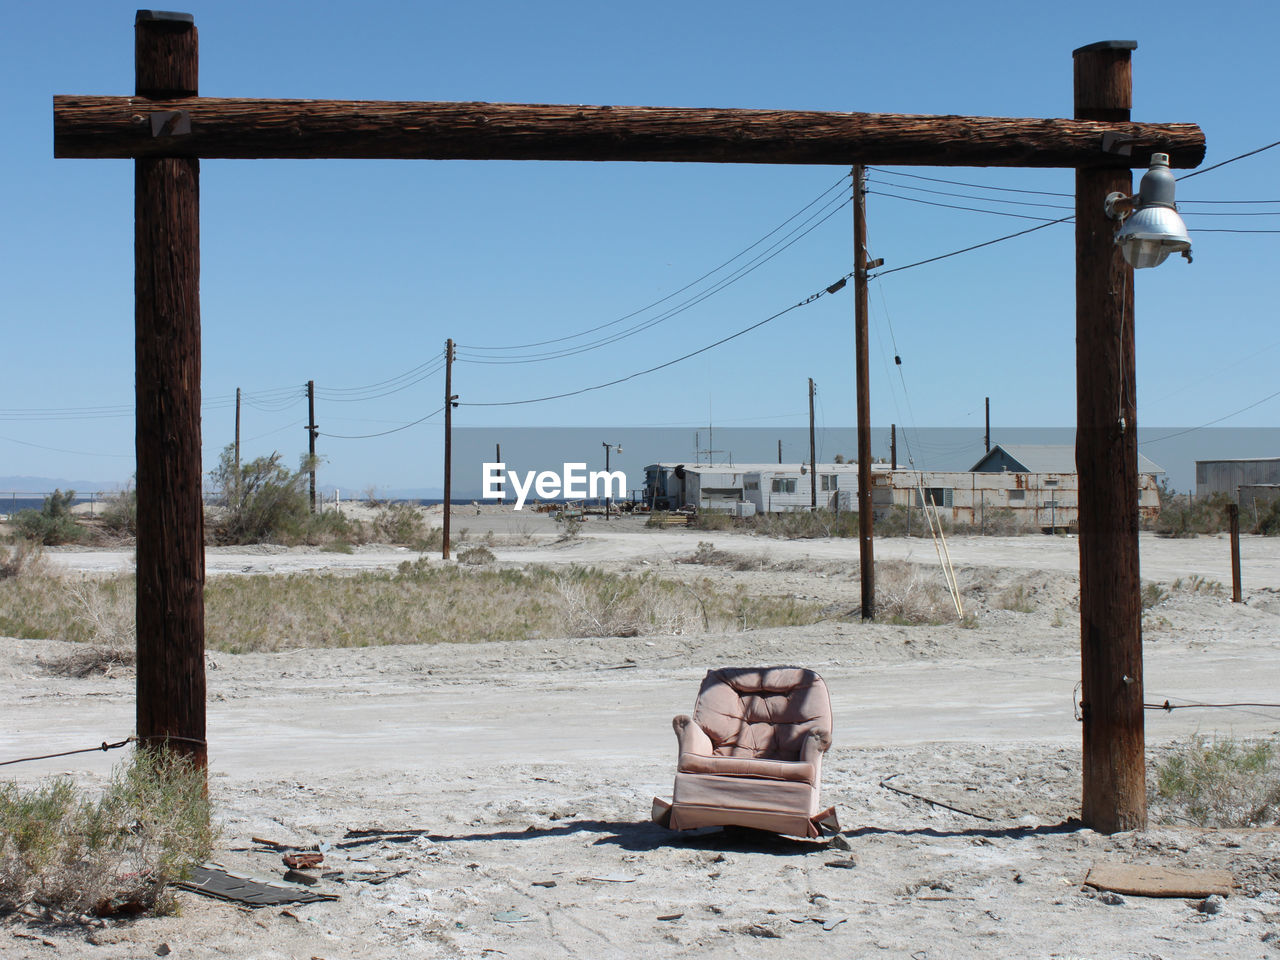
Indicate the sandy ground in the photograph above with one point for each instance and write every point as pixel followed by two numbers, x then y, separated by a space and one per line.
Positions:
pixel 530 767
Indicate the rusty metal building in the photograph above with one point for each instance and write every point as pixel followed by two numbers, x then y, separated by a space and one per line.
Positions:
pixel 1036 485
pixel 1228 476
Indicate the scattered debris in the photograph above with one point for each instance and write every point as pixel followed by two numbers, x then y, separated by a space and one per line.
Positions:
pixel 1147 881
pixel 303 861
pixel 844 863
pixel 512 916
pixel 612 878
pixel 224 885
pixel 543 883
pixel 936 803
pixel 827 925
pixel 839 842
pixel 762 930
pixel 1111 898
pixel 163 950
pixel 1211 905
pixel 671 916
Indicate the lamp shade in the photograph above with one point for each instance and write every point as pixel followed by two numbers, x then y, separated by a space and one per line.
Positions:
pixel 1150 235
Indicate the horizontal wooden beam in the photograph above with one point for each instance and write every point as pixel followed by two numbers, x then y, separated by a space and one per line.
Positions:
pixel 209 127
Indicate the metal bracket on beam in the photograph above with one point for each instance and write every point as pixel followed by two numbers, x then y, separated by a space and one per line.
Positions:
pixel 170 123
pixel 1118 145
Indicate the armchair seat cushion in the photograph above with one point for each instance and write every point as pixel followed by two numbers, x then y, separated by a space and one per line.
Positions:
pixel 749 767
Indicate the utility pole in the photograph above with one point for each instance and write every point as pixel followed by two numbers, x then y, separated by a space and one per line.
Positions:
pixel 986 437
pixel 813 456
pixel 312 430
pixel 779 451
pixel 449 403
pixel 1114 787
pixel 497 458
pixel 170 699
pixel 893 446
pixel 866 549
pixel 237 490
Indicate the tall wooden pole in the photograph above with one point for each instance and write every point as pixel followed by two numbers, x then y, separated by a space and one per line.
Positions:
pixel 1233 521
pixel 448 442
pixel 893 446
pixel 1114 788
pixel 813 456
pixel 170 550
pixel 312 430
pixel 866 548
pixel 237 490
pixel 986 436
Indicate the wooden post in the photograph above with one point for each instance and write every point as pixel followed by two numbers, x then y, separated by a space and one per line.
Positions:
pixel 170 548
pixel 866 549
pixel 1233 516
pixel 237 490
pixel 449 398
pixel 312 430
pixel 986 436
pixel 1114 788
pixel 813 456
pixel 893 446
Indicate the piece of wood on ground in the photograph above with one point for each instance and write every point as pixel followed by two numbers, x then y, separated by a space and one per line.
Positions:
pixel 1141 880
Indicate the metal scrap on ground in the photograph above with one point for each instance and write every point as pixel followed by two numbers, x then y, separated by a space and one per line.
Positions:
pixel 224 885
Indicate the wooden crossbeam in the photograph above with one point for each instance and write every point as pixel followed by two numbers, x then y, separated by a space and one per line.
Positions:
pixel 211 127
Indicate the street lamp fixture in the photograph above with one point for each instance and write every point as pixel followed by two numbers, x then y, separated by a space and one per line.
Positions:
pixel 1150 227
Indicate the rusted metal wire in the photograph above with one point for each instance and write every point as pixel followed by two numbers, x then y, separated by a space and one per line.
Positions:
pixel 104 747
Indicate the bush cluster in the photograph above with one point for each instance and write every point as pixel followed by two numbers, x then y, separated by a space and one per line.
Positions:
pixel 52 524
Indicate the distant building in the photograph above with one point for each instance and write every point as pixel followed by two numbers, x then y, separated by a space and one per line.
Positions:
pixel 1037 484
pixel 769 487
pixel 1229 476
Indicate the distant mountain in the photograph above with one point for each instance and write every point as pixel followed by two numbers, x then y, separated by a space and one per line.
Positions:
pixel 15 484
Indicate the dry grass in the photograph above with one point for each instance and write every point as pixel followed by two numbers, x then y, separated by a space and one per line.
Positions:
pixel 68 854
pixel 1220 783
pixel 909 594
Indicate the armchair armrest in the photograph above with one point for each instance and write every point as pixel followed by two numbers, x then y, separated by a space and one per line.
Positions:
pixel 691 737
pixel 815 745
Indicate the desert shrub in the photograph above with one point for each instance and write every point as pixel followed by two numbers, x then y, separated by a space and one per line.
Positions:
pixel 999 522
pixel 263 502
pixel 1017 598
pixel 902 521
pixel 1204 515
pixel 712 520
pixel 402 523
pixel 1268 523
pixel 24 557
pixel 476 555
pixel 72 854
pixel 120 513
pixel 52 524
pixel 1220 782
pixel 805 524
pixel 909 595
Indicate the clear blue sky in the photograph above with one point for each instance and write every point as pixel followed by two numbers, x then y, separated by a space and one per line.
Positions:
pixel 354 273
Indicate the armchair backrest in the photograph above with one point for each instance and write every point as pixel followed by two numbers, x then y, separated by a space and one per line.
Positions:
pixel 762 712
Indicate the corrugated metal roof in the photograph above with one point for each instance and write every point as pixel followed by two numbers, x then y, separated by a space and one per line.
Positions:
pixel 1052 458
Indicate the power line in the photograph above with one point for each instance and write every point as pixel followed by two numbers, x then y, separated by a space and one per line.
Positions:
pixel 976 246
pixel 1196 173
pixel 953 206
pixel 970 196
pixel 369 436
pixel 977 186
pixel 791 238
pixel 714 270
pixel 1170 436
pixel 640 373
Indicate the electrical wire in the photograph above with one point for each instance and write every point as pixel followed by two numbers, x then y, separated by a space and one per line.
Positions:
pixel 977 186
pixel 1196 173
pixel 640 373
pixel 1180 433
pixel 795 236
pixel 970 196
pixel 675 293
pixel 369 436
pixel 976 246
pixel 79 453
pixel 954 206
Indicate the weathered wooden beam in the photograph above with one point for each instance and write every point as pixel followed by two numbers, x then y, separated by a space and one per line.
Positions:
pixel 1113 740
pixel 210 127
pixel 170 549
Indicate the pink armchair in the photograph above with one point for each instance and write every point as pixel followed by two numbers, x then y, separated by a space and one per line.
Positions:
pixel 751 754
